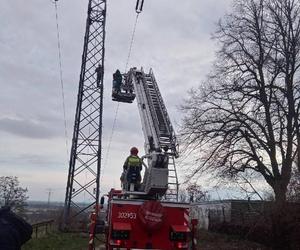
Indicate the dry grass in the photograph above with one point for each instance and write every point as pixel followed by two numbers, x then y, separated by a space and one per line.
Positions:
pixel 215 241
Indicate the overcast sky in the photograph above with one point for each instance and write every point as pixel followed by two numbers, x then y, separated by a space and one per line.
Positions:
pixel 173 37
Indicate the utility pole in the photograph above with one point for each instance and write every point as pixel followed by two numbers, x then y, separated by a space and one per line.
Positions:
pixel 49 191
pixel 85 157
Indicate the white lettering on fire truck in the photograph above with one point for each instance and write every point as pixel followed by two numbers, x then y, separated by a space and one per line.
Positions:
pixel 154 214
pixel 127 215
pixel 151 218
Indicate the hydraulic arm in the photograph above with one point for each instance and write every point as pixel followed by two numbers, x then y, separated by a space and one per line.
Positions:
pixel 160 140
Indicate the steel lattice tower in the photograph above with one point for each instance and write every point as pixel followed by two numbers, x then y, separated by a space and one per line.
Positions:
pixel 83 185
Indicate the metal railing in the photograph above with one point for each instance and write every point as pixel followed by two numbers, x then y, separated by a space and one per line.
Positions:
pixel 42 228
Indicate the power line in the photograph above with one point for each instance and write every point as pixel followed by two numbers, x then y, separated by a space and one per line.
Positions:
pixel 61 76
pixel 132 40
pixel 117 108
pixel 109 141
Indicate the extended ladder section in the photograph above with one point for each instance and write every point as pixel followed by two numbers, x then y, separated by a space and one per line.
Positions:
pixel 164 132
pixel 163 127
pixel 160 139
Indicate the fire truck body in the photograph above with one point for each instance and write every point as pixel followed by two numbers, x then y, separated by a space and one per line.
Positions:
pixel 147 224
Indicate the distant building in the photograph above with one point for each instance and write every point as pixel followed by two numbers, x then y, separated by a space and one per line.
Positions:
pixel 238 212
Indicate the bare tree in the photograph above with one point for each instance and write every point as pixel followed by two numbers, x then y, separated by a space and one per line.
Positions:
pixel 293 191
pixel 11 194
pixel 182 195
pixel 193 193
pixel 246 117
pixel 196 193
pixel 246 184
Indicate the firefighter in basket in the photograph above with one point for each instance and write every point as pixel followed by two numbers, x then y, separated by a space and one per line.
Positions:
pixel 117 81
pixel 131 176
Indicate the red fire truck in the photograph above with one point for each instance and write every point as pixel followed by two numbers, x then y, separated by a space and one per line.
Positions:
pixel 147 224
pixel 147 215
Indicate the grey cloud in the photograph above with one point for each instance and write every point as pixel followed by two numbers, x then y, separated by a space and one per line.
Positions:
pixel 26 128
pixel 28 160
pixel 173 37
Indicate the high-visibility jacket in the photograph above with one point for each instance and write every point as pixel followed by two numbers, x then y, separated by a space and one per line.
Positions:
pixel 133 162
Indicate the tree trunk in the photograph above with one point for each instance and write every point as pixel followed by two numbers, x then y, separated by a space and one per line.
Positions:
pixel 279 215
pixel 280 192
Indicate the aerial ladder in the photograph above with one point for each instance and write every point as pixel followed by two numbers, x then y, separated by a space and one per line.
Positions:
pixel 160 178
pixel 150 216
